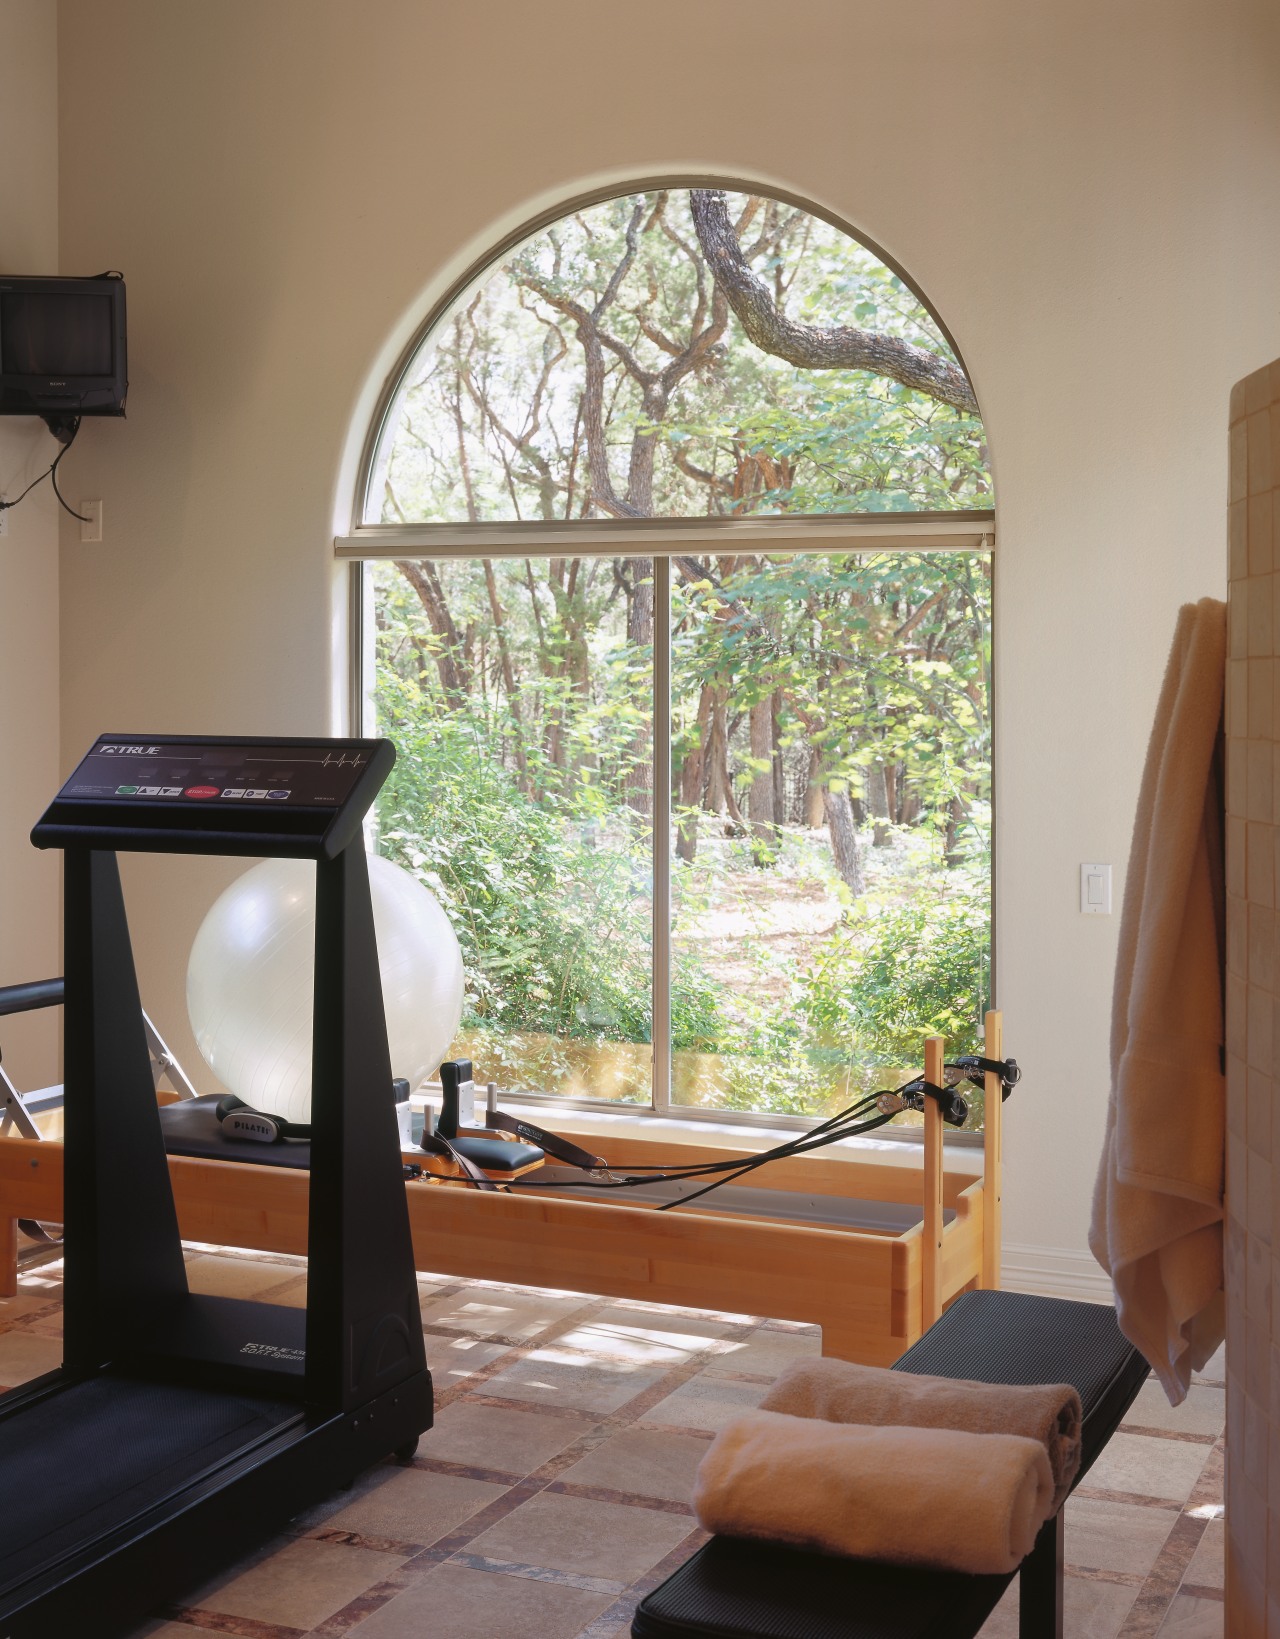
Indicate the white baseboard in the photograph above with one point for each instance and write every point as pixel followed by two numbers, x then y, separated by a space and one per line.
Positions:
pixel 1054 1272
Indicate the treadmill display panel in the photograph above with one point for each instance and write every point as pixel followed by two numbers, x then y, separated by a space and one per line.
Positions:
pixel 248 774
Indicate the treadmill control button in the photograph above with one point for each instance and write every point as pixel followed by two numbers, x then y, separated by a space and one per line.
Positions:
pixel 201 791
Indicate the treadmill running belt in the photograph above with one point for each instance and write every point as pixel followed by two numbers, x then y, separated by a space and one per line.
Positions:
pixel 88 1458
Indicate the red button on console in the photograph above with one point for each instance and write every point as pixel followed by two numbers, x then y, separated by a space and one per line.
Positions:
pixel 201 791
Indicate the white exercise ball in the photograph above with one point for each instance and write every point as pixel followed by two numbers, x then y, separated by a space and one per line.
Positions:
pixel 250 978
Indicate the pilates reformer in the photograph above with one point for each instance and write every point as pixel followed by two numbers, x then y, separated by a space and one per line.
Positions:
pixel 867 1244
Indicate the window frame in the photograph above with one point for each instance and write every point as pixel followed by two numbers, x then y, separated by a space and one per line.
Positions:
pixel 623 537
pixel 659 539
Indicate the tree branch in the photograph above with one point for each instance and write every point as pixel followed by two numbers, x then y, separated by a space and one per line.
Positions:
pixel 813 347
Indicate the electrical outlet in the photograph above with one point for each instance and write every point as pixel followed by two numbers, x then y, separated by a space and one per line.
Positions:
pixel 91 531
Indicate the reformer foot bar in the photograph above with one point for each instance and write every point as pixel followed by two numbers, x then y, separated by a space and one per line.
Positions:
pixel 733 1589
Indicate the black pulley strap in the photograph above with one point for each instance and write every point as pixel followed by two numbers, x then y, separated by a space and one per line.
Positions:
pixel 973 1066
pixel 552 1143
pixel 436 1144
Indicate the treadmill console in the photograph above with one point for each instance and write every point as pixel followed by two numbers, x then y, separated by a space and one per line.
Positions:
pixel 191 794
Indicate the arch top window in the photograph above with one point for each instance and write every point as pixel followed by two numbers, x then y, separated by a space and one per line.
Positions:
pixel 673 583
pixel 680 353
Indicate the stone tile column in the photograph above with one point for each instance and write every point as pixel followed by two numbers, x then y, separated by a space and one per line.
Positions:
pixel 1253 1011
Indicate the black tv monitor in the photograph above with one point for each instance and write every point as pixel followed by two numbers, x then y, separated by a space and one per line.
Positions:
pixel 62 347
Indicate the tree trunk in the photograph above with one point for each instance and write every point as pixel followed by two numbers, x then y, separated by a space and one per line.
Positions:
pixel 508 671
pixel 449 653
pixel 640 636
pixel 720 798
pixel 814 806
pixel 779 772
pixel 692 776
pixel 951 848
pixel 761 803
pixel 844 839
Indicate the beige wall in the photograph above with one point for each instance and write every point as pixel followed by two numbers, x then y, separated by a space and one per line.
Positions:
pixel 29 763
pixel 1087 193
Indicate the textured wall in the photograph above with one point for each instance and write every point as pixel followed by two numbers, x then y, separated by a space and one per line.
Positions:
pixel 29 650
pixel 288 186
pixel 1253 1014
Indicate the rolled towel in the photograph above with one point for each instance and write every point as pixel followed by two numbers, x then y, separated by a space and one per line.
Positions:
pixel 910 1496
pixel 840 1392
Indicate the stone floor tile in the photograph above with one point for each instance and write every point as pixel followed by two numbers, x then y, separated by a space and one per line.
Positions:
pixel 489 1311
pixel 1115 1536
pixel 453 1359
pixel 1148 1466
pixel 1204 1411
pixel 765 1353
pixel 1189 1618
pixel 630 1334
pixel 296 1583
pixel 510 1441
pixel 554 1377
pixel 1206 1569
pixel 585 1537
pixel 1095 1609
pixel 643 1462
pixel 410 1505
pixel 705 1402
pixel 454 1602
pixel 27 1354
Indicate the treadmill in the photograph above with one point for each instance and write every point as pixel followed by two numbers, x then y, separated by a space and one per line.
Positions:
pixel 181 1430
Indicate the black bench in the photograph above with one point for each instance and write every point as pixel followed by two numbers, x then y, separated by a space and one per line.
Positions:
pixel 732 1589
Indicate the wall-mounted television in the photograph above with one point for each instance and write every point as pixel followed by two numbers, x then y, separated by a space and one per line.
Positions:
pixel 62 347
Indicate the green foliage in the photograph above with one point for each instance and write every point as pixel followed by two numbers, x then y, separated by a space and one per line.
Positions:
pixel 551 904
pixel 915 969
pixel 498 387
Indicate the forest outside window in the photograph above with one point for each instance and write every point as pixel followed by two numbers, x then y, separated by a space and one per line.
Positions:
pixel 694 736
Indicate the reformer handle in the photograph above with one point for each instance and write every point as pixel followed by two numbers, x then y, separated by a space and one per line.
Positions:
pixel 26 998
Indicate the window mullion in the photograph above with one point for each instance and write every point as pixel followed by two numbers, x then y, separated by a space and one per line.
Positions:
pixel 661 1031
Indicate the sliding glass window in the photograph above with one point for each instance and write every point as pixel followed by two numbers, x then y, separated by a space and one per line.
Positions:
pixel 686 651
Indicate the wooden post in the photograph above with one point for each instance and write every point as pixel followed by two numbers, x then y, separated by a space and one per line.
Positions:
pixel 992 1155
pixel 8 1256
pixel 932 1246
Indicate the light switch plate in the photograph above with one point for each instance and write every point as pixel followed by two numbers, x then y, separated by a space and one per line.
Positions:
pixel 92 531
pixel 1095 889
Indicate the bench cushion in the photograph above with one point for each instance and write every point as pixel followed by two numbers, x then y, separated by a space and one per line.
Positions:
pixel 733 1589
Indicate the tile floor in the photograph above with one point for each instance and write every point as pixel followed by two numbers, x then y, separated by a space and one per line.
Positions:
pixel 553 1490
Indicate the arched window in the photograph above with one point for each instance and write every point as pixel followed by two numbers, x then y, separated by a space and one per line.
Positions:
pixel 675 567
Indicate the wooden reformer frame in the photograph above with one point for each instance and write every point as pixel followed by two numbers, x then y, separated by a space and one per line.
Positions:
pixel 873 1293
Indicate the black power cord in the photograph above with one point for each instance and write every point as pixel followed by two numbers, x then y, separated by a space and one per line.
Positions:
pixel 51 473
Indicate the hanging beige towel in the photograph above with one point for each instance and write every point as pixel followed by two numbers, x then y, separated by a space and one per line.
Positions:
pixel 910 1496
pixel 1157 1208
pixel 842 1392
